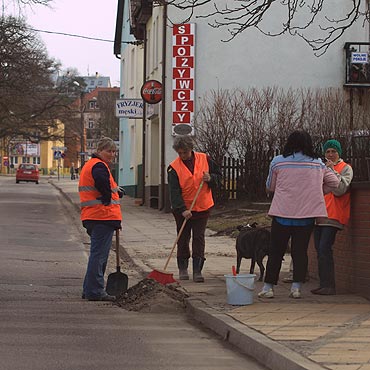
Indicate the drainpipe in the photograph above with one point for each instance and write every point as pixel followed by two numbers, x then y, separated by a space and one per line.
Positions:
pixel 163 115
pixel 144 121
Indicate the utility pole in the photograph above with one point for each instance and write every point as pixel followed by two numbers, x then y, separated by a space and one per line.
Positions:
pixel 82 153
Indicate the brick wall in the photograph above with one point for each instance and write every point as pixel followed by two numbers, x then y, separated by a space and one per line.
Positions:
pixel 352 247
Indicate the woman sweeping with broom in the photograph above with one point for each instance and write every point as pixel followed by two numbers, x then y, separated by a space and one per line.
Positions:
pixel 185 175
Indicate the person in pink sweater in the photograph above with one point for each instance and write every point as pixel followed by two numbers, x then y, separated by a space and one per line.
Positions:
pixel 298 180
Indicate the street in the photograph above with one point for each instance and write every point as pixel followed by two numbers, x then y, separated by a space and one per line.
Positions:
pixel 44 323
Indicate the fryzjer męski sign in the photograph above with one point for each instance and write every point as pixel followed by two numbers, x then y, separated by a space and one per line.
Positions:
pixel 129 108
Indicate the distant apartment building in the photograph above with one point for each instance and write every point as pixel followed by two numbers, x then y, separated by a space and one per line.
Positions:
pixel 96 81
pixel 96 117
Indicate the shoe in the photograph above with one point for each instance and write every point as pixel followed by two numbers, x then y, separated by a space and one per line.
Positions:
pixel 295 293
pixel 198 263
pixel 288 279
pixel 325 291
pixel 183 275
pixel 266 294
pixel 105 298
pixel 83 296
pixel 313 291
pixel 197 277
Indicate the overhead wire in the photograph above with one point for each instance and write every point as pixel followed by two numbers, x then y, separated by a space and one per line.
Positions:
pixel 69 34
pixel 136 42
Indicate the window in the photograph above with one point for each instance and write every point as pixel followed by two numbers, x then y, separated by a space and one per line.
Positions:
pixel 14 160
pixel 91 123
pixel 27 167
pixel 25 159
pixel 36 160
pixel 91 105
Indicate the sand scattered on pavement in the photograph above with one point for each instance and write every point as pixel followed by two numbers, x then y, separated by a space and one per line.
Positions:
pixel 150 296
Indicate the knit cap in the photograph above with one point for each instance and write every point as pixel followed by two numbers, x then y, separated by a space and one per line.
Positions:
pixel 333 144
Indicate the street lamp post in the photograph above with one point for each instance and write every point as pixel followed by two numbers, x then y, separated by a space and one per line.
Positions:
pixel 82 130
pixel 82 125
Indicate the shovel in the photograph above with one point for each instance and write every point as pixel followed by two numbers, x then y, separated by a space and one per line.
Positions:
pixel 117 282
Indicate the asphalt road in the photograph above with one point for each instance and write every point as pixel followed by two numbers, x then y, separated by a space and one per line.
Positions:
pixel 44 324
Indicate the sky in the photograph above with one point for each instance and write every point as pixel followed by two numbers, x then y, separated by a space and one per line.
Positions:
pixel 91 18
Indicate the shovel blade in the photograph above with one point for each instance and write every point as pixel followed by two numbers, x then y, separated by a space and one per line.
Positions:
pixel 117 283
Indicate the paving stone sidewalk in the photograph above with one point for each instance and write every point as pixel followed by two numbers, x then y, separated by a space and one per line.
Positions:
pixel 315 332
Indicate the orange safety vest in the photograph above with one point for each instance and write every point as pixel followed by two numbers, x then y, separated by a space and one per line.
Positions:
pixel 189 182
pixel 339 207
pixel 91 207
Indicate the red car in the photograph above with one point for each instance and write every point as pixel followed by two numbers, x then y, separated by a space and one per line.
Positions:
pixel 27 172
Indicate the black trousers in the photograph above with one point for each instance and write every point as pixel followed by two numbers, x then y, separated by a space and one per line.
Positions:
pixel 280 235
pixel 195 228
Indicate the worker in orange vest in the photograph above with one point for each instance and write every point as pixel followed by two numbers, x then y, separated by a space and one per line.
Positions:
pixel 185 175
pixel 100 215
pixel 338 208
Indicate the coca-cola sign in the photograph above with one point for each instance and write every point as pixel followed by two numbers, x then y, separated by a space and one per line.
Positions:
pixel 151 92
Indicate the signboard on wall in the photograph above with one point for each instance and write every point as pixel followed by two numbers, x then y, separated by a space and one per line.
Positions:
pixel 151 92
pixel 25 149
pixel 129 108
pixel 183 79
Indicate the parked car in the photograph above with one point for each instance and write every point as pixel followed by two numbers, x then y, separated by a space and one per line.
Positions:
pixel 27 172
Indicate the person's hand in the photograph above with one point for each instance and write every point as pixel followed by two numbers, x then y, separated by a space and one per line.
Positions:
pixel 206 177
pixel 186 214
pixel 121 191
pixel 329 163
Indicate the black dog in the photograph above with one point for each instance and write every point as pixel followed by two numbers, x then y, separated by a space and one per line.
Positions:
pixel 254 243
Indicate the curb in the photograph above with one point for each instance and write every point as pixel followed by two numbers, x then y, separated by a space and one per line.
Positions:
pixel 250 342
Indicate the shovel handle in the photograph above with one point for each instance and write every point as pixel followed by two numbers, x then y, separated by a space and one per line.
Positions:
pixel 183 226
pixel 118 262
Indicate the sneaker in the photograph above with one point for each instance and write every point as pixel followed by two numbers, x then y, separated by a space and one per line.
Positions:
pixel 266 294
pixel 295 293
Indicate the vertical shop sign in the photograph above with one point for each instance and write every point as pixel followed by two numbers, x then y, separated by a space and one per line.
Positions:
pixel 183 58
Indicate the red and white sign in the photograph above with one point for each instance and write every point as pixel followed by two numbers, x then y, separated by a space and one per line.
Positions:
pixel 183 57
pixel 151 92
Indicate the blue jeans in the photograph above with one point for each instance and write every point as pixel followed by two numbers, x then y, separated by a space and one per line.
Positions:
pixel 100 243
pixel 324 240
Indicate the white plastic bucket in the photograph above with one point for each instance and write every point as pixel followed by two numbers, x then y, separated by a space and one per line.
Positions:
pixel 240 289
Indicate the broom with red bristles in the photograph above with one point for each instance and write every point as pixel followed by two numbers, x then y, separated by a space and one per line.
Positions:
pixel 162 276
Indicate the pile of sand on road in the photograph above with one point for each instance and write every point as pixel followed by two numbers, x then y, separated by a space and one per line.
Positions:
pixel 150 296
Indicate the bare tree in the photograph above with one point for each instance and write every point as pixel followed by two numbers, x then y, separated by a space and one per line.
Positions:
pixel 108 122
pixel 256 126
pixel 216 123
pixel 30 104
pixel 318 22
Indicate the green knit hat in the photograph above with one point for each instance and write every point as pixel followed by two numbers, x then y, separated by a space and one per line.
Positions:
pixel 333 144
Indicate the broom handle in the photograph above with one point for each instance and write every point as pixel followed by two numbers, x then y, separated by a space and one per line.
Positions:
pixel 183 226
pixel 118 262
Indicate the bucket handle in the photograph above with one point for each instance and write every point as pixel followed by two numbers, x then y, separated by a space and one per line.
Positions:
pixel 244 286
